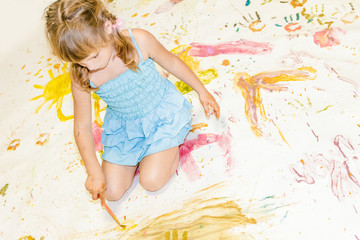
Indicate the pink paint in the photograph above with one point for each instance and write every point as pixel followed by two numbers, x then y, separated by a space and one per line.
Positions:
pixel 234 47
pixel 328 37
pixel 342 181
pixel 97 132
pixel 187 162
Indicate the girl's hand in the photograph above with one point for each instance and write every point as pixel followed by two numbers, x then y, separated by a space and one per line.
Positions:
pixel 208 101
pixel 96 185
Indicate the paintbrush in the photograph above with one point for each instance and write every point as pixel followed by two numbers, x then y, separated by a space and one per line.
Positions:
pixel 113 215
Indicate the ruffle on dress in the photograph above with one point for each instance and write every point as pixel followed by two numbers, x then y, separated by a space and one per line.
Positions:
pixel 127 141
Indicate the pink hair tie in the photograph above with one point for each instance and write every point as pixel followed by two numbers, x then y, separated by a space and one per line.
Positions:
pixel 119 24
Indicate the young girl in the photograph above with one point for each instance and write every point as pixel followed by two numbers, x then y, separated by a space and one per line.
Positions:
pixel 146 117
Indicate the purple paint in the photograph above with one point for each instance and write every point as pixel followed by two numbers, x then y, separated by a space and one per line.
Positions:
pixel 233 47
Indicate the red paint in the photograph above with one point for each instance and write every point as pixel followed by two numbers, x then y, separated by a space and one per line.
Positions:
pixel 187 162
pixel 234 47
pixel 97 132
pixel 328 37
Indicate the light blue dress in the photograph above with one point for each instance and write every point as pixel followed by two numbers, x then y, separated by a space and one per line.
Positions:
pixel 145 114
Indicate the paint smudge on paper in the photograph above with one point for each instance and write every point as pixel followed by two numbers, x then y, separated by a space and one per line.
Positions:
pixel 328 37
pixel 43 139
pixel 3 190
pixel 343 181
pixel 250 87
pixel 232 47
pixel 187 162
pixel 165 7
pixel 55 91
pixel 205 76
pixel 198 219
pixel 14 144
pixel 317 14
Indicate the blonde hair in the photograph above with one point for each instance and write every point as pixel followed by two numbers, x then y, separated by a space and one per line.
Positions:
pixel 75 29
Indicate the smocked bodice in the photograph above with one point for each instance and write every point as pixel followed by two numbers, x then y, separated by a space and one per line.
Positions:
pixel 133 94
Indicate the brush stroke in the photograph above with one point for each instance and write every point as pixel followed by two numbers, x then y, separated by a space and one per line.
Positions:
pixel 3 190
pixel 250 87
pixel 232 47
pixel 187 162
pixel 198 219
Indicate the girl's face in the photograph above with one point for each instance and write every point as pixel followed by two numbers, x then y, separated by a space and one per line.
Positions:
pixel 98 60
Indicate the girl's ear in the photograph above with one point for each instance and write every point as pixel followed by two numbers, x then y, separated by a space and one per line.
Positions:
pixel 108 26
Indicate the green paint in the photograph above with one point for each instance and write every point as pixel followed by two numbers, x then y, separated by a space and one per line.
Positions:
pixel 205 77
pixel 200 226
pixel 3 190
pixel 326 108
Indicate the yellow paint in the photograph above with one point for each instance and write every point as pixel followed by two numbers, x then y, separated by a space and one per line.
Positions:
pixel 97 109
pixel 250 87
pixel 28 237
pixel 55 91
pixel 197 219
pixel 57 88
pixel 205 76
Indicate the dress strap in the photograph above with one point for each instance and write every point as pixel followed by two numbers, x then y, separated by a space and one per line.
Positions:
pixel 136 46
pixel 92 84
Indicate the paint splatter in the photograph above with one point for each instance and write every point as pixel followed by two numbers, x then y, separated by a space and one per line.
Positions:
pixel 55 90
pixel 233 47
pixel 225 62
pixel 43 139
pixel 328 37
pixel 14 144
pixel 187 162
pixel 28 237
pixel 342 181
pixel 317 13
pixel 3 190
pixel 250 87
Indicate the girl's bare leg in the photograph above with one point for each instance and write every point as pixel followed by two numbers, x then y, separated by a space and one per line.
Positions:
pixel 156 169
pixel 118 179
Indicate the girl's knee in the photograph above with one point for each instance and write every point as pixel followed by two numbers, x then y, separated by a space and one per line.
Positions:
pixel 151 182
pixel 114 194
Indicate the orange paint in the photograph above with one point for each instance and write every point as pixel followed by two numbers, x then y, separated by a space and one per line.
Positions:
pixel 57 66
pixel 23 67
pixel 43 139
pixel 134 15
pixel 152 24
pixel 358 125
pixel 14 144
pixel 297 3
pixel 257 26
pixel 302 161
pixel 145 15
pixel 198 126
pixel 292 27
pixel 225 62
